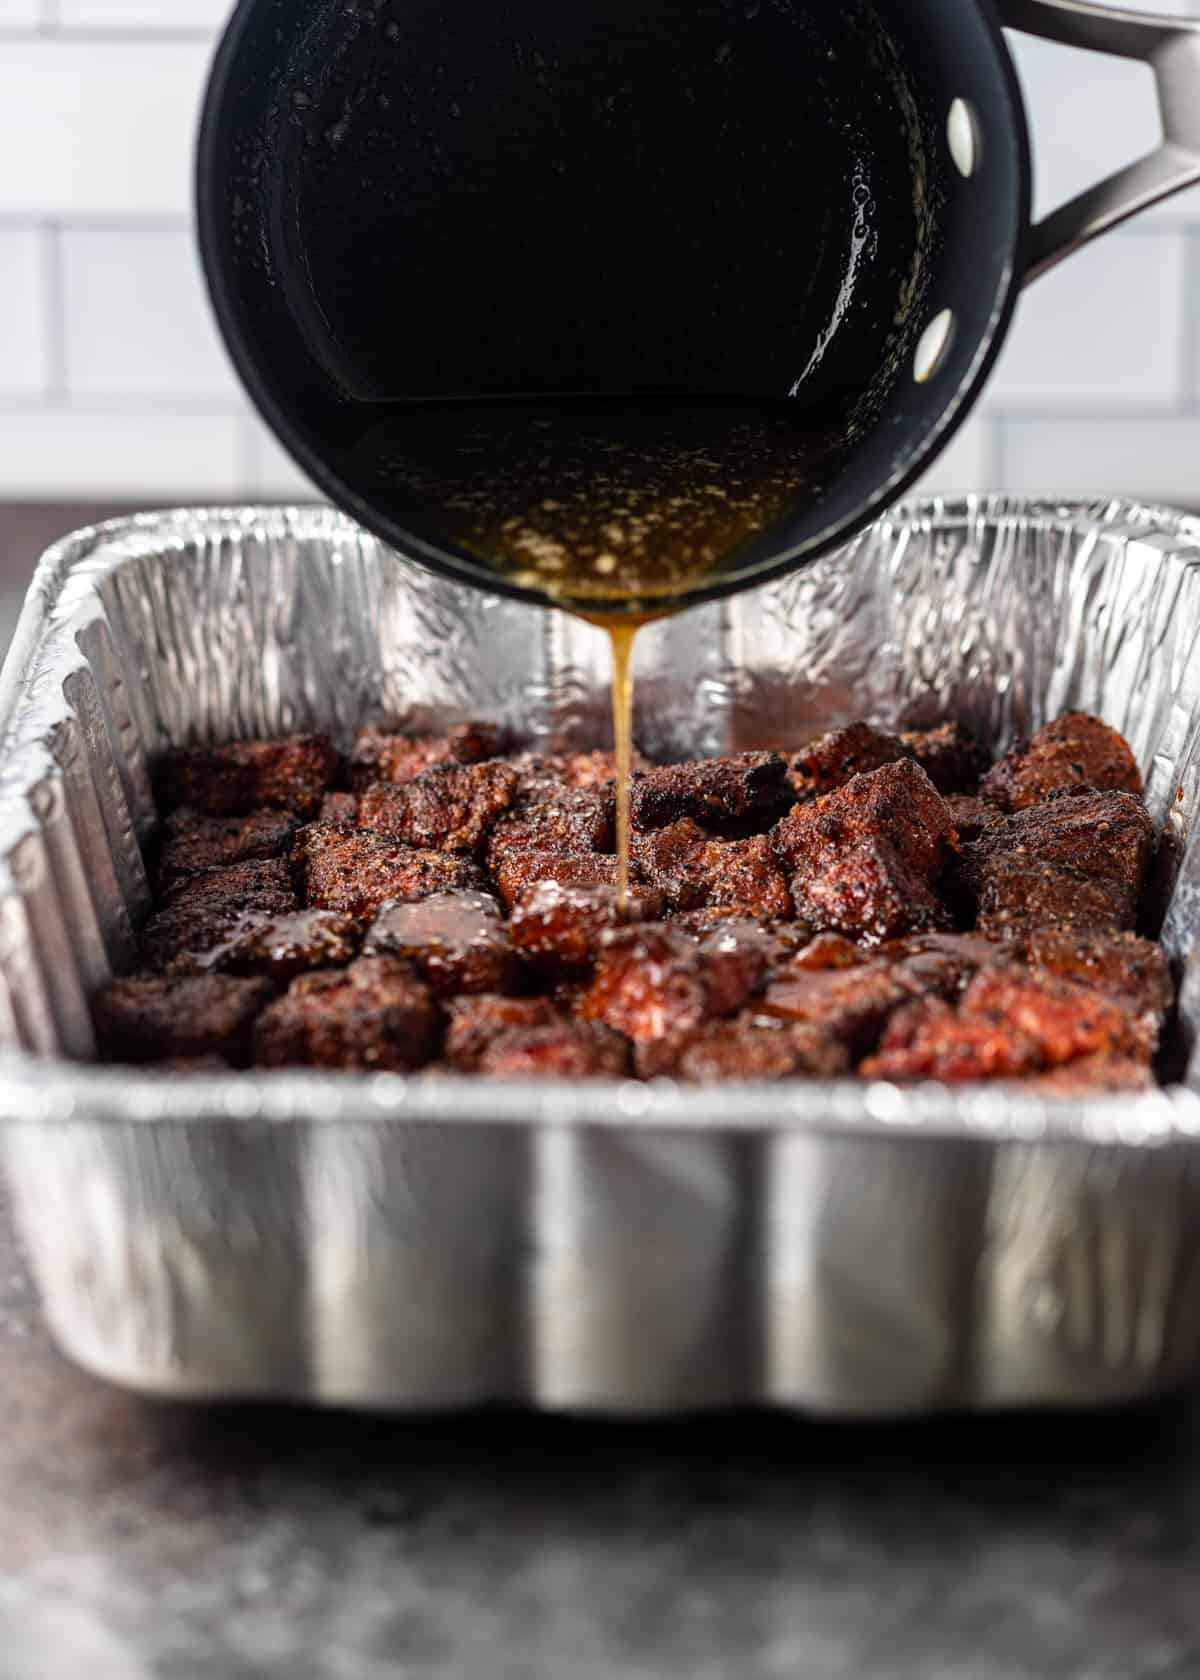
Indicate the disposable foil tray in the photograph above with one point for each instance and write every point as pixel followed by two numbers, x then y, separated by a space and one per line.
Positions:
pixel 400 1242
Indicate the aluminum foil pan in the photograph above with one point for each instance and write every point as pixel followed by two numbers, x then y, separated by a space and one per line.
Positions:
pixel 392 1242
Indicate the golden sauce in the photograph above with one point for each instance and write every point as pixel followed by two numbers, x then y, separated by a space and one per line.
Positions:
pixel 622 634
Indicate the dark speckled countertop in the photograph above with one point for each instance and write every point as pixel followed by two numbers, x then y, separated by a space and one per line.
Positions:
pixel 141 1540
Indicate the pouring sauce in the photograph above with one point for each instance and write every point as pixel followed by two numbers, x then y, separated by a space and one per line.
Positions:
pixel 616 508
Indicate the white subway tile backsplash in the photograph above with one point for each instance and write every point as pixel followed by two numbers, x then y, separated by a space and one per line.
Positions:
pixel 58 455
pixel 137 317
pixel 1105 326
pixel 24 362
pixel 98 127
pixel 1156 458
pixel 161 16
pixel 20 14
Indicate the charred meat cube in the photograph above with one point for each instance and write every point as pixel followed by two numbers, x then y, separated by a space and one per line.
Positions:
pixel 939 964
pixel 1063 1019
pixel 655 984
pixel 749 790
pixel 929 1041
pixel 380 756
pixel 1096 1075
pixel 760 1047
pixel 193 843
pixel 780 940
pixel 837 757
pixel 898 804
pixel 167 1018
pixel 289 774
pixel 521 870
pixel 356 873
pixel 281 947
pixel 830 950
pixel 200 911
pixel 557 928
pixel 452 809
pixel 693 870
pixel 1074 751
pixel 564 820
pixel 1108 836
pixel 970 815
pixel 1133 971
pixel 1019 895
pixel 339 810
pixel 571 769
pixel 867 891
pixel 950 756
pixel 476 1022
pixel 851 1004
pixel 375 1015
pixel 458 940
pixel 562 1050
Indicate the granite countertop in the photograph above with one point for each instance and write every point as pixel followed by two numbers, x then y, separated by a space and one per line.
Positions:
pixel 141 1540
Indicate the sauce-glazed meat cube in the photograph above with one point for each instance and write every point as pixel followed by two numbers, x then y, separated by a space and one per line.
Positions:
pixel 339 810
pixel 521 870
pixel 356 873
pixel 281 947
pixel 898 804
pixel 693 870
pixel 760 1047
pixel 558 928
pixel 572 769
pixel 851 1004
pixel 748 790
pixel 452 809
pixel 382 757
pixel 290 774
pixel 654 983
pixel 779 941
pixel 1074 751
pixel 1108 836
pixel 939 964
pixel 867 891
pixel 1133 971
pixel 476 1023
pixel 929 1041
pixel 1093 1075
pixel 161 1018
pixel 193 843
pixel 970 815
pixel 562 1050
pixel 1063 1019
pixel 1019 895
pixel 837 757
pixel 375 1016
pixel 950 756
pixel 564 820
pixel 200 911
pixel 458 940
pixel 830 950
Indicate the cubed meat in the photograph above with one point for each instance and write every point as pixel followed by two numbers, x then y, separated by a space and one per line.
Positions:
pixel 168 1018
pixel 564 820
pixel 281 947
pixel 1019 895
pixel 379 756
pixel 754 1047
pixel 970 815
pixel 693 870
pixel 867 892
pixel 747 791
pixel 1133 971
pixel 1063 1019
pixel 200 911
pixel 339 810
pixel 1074 751
pixel 939 964
pixel 655 983
pixel 1107 836
pixel 290 774
pixel 929 1041
pixel 356 873
pixel 781 940
pixel 375 1016
pixel 521 870
pixel 563 1050
pixel 1093 1076
pixel 851 1004
pixel 558 928
pixel 898 804
pixel 476 1023
pixel 193 843
pixel 458 940
pixel 452 809
pixel 950 756
pixel 830 950
pixel 572 769
pixel 837 757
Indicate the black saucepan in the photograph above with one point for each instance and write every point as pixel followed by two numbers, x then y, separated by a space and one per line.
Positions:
pixel 418 199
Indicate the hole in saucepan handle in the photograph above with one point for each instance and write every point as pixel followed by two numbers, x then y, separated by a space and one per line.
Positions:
pixel 935 342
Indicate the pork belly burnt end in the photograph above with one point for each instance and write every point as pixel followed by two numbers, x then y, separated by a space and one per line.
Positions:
pixel 375 1015
pixel 200 911
pixel 1107 836
pixel 950 756
pixel 560 1050
pixel 928 1040
pixel 476 1022
pixel 281 947
pixel 866 891
pixel 452 809
pixel 193 842
pixel 747 791
pixel 566 820
pixel 1074 751
pixel 837 757
pixel 521 870
pixel 1018 896
pixel 356 873
pixel 557 928
pixel 290 774
pixel 692 870
pixel 458 940
pixel 759 1047
pixel 160 1018
pixel 380 756
pixel 897 804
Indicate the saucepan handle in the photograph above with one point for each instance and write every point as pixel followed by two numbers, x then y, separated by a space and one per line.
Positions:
pixel 1171 46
